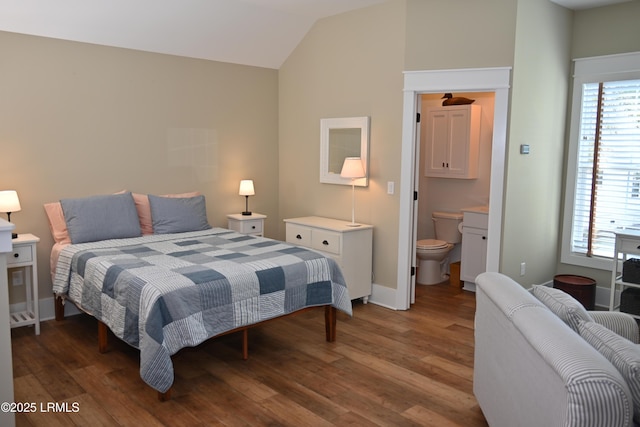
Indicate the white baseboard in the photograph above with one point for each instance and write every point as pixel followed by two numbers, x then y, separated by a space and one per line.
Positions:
pixel 383 296
pixel 602 297
pixel 386 297
pixel 469 286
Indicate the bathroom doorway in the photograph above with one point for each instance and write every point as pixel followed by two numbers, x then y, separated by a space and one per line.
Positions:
pixel 421 83
pixel 452 195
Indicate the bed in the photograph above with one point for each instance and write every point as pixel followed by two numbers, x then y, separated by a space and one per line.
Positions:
pixel 176 288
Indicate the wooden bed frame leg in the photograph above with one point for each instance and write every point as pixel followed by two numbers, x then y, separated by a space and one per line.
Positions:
pixel 330 318
pixel 59 307
pixel 245 343
pixel 102 337
pixel 163 397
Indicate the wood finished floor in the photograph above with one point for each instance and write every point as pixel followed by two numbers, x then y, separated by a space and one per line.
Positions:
pixel 387 368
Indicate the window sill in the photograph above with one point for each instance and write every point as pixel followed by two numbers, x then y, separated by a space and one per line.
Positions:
pixel 599 263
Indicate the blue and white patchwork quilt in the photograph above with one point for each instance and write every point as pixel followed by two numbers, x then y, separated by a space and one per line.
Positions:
pixel 161 293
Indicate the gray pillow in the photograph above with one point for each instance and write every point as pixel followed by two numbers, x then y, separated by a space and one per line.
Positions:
pixel 94 218
pixel 178 215
pixel 562 305
pixel 622 353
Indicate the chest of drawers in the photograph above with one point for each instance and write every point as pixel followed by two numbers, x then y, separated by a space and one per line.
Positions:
pixel 351 247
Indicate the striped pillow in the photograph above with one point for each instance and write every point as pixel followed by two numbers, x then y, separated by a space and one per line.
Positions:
pixel 622 324
pixel 622 353
pixel 562 305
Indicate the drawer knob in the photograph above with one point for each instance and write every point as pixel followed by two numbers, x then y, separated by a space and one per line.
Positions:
pixel 324 242
pixel 299 237
pixel 16 255
pixel 253 227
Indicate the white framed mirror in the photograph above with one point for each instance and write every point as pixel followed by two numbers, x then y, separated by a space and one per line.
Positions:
pixel 340 138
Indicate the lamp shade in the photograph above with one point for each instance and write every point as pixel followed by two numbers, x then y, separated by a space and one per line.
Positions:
pixel 9 201
pixel 246 188
pixel 352 168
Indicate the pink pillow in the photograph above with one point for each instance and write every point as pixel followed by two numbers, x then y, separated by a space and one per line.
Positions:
pixel 144 209
pixel 57 224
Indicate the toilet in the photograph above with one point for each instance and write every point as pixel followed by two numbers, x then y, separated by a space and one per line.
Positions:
pixel 432 253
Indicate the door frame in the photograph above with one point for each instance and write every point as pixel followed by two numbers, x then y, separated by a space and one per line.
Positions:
pixel 495 80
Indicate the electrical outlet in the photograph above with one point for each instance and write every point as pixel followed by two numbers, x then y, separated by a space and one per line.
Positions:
pixel 17 278
pixel 523 268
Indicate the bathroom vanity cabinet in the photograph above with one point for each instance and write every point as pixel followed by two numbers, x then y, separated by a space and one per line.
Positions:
pixel 351 247
pixel 452 141
pixel 474 245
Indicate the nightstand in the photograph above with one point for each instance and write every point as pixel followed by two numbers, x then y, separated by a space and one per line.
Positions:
pixel 247 224
pixel 24 254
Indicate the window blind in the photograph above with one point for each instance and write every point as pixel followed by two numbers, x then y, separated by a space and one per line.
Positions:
pixel 607 194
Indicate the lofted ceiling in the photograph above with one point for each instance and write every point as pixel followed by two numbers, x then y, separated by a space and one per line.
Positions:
pixel 251 32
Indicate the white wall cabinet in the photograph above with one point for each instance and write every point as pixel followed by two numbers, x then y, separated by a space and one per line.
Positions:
pixel 474 247
pixel 452 141
pixel 351 247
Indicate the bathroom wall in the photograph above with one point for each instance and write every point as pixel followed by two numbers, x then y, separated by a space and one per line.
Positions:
pixel 451 195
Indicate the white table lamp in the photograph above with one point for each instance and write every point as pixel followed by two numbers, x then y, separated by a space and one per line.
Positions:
pixel 352 168
pixel 246 190
pixel 9 203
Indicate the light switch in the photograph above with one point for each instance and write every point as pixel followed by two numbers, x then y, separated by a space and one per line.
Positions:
pixel 391 187
pixel 524 148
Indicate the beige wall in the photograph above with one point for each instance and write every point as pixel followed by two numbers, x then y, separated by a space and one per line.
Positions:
pixel 347 65
pixel 351 65
pixel 533 37
pixel 603 31
pixel 538 108
pixel 79 119
pixel 444 34
pixel 321 79
pixel 606 30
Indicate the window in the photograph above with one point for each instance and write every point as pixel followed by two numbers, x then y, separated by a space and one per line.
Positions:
pixel 603 174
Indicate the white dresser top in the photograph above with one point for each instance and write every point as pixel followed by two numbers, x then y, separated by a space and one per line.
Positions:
pixel 241 217
pixel 627 232
pixel 327 223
